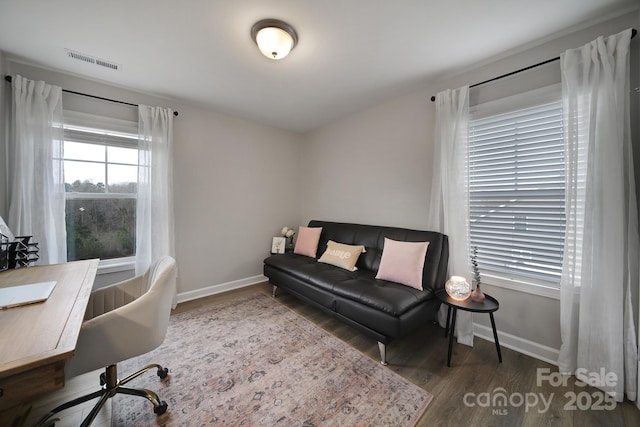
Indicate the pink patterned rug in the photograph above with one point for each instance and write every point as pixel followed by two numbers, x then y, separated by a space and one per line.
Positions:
pixel 253 361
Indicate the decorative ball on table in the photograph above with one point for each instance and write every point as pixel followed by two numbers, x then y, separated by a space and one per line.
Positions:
pixel 458 288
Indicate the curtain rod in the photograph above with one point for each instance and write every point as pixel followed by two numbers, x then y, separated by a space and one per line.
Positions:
pixel 433 98
pixel 10 79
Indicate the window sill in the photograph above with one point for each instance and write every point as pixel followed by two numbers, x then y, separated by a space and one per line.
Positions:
pixel 116 265
pixel 529 287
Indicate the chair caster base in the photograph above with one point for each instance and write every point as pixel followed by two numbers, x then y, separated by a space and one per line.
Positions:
pixel 161 408
pixel 163 372
pixel 110 386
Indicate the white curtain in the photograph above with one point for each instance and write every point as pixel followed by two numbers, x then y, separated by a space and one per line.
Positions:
pixel 600 266
pixel 154 213
pixel 449 203
pixel 36 194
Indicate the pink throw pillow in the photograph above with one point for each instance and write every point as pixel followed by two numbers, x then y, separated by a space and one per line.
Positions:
pixel 403 262
pixel 307 242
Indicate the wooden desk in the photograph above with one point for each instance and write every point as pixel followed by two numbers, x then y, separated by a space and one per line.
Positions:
pixel 36 339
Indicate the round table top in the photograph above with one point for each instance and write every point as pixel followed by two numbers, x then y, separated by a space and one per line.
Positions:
pixel 490 304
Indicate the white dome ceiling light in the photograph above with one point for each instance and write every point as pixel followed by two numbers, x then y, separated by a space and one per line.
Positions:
pixel 274 38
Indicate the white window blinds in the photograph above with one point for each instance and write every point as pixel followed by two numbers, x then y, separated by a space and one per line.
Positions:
pixel 516 184
pixel 90 129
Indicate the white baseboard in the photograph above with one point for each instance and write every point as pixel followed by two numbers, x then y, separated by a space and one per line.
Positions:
pixel 222 287
pixel 530 348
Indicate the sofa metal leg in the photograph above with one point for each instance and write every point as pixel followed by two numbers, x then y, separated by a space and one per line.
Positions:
pixel 383 353
pixel 273 292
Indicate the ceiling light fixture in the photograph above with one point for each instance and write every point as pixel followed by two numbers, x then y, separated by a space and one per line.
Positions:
pixel 274 38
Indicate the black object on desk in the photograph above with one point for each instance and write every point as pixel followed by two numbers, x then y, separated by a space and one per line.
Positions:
pixel 489 305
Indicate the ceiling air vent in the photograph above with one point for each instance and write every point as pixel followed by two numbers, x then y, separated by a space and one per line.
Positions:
pixel 92 60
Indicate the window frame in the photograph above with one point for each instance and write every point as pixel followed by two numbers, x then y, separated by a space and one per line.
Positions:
pixel 507 105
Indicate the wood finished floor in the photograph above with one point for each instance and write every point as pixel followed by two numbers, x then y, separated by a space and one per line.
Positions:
pixel 421 359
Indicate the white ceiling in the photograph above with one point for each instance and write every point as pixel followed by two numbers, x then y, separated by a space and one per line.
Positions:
pixel 351 54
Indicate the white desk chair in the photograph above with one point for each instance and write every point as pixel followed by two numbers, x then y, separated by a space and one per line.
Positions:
pixel 123 320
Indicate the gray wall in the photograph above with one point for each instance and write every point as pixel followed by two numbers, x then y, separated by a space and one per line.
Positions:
pixel 235 184
pixel 375 167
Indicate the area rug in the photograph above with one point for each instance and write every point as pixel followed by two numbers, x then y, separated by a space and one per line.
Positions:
pixel 254 362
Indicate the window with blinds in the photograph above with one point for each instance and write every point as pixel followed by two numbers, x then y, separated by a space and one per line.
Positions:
pixel 516 193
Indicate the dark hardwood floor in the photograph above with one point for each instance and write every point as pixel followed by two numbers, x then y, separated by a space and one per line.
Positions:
pixel 469 392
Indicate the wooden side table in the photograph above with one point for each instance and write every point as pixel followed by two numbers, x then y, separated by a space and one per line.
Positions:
pixel 489 305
